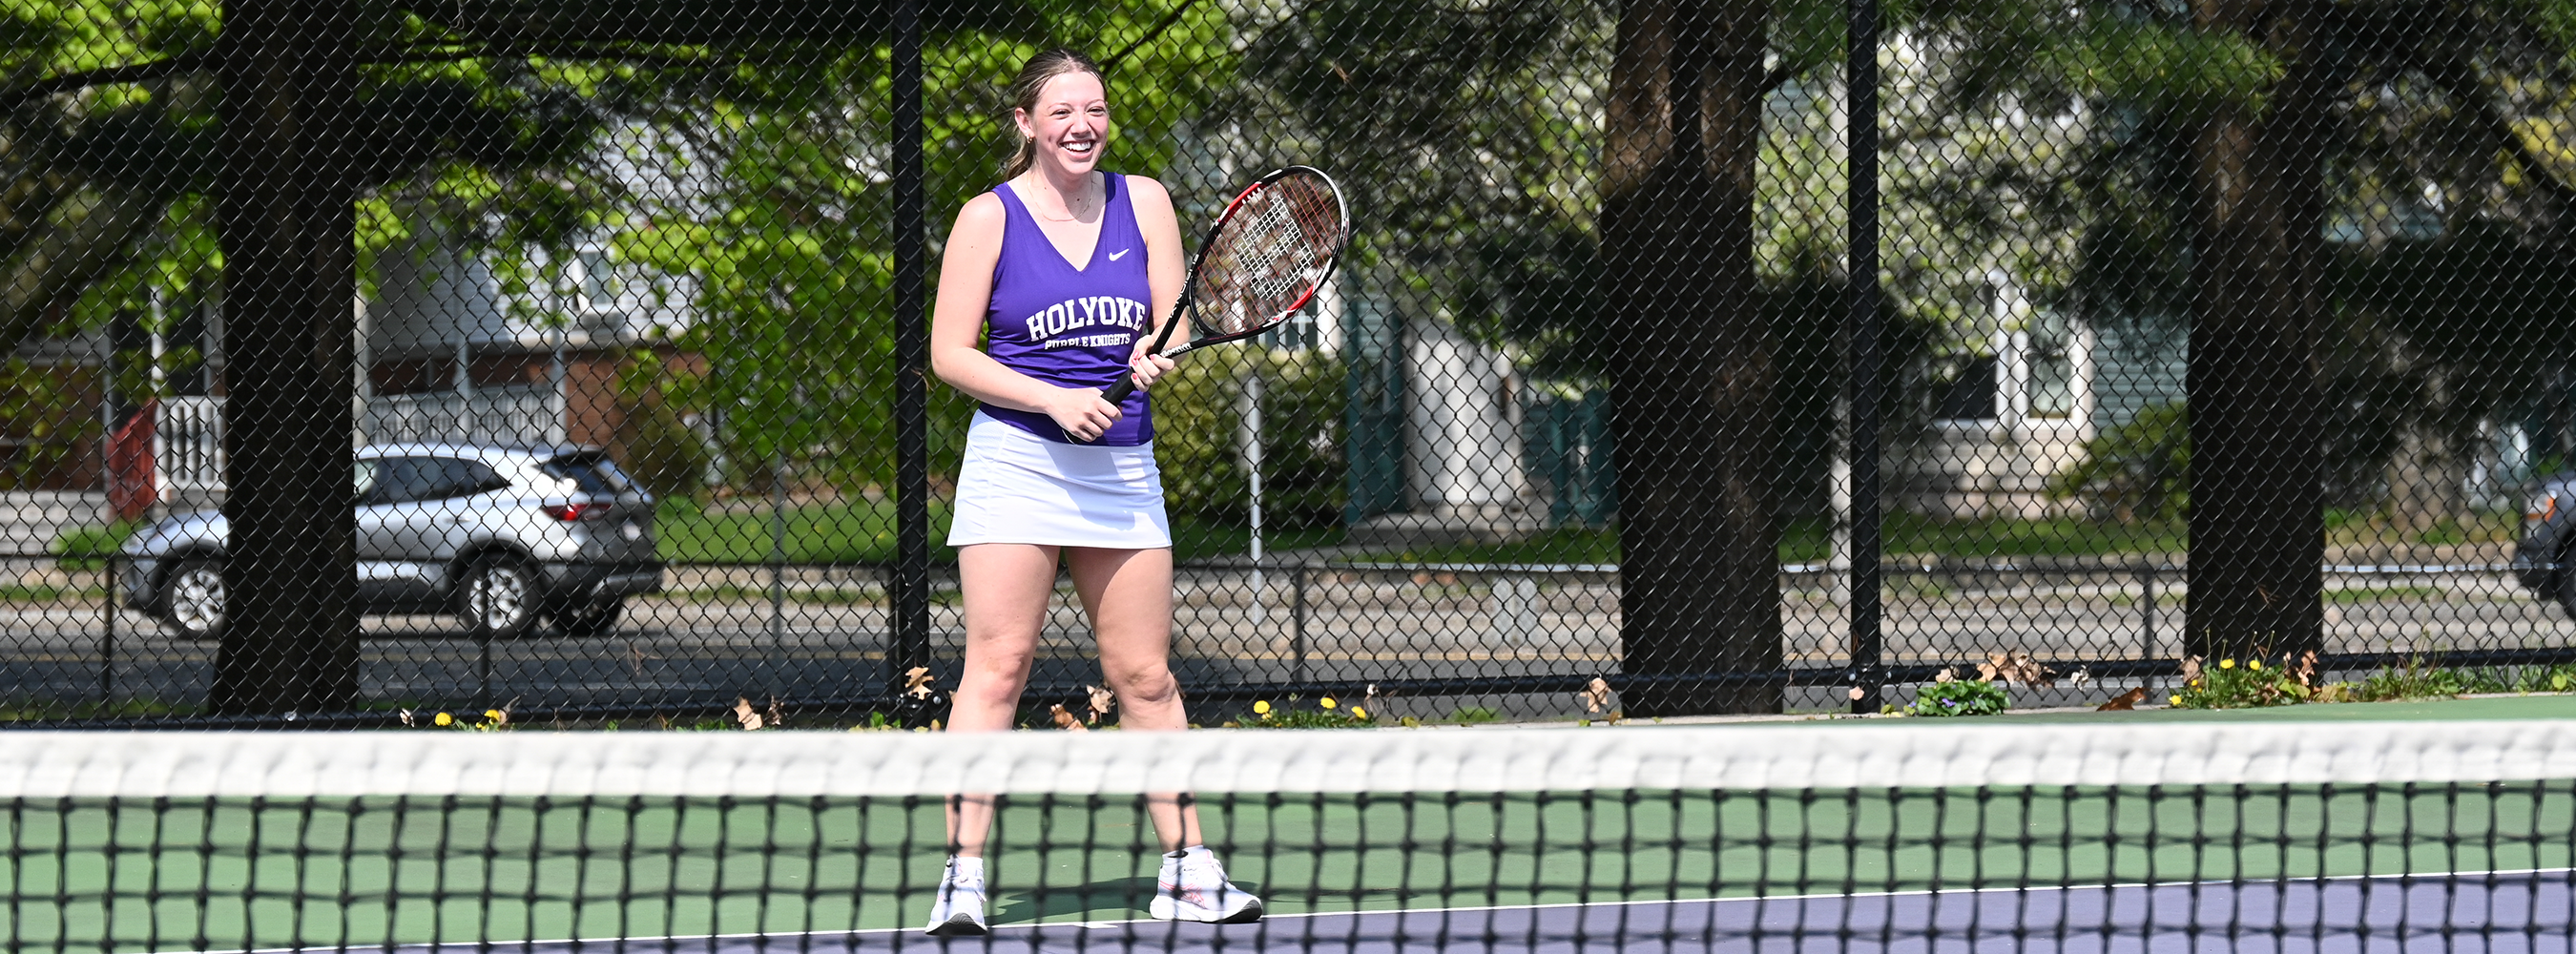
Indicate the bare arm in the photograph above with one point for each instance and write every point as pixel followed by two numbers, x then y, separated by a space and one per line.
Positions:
pixel 1166 266
pixel 965 293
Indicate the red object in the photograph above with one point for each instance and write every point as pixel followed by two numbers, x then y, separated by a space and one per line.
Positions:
pixel 571 512
pixel 131 489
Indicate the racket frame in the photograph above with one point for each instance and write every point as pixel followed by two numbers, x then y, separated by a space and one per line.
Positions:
pixel 1189 286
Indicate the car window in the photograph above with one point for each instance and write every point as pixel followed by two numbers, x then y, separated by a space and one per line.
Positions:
pixel 591 473
pixel 405 479
pixel 465 478
pixel 365 483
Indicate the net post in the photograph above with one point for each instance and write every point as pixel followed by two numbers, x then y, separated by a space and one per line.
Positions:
pixel 911 598
pixel 1861 327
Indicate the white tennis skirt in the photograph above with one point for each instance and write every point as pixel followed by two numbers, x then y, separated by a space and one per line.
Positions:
pixel 1017 487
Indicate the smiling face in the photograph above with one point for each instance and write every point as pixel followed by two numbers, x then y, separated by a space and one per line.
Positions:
pixel 1069 124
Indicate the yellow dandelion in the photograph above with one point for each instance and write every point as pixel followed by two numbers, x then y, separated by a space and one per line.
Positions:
pixel 1262 707
pixel 2177 700
pixel 2227 664
pixel 1358 713
pixel 491 713
pixel 444 719
pixel 2255 664
pixel 1326 702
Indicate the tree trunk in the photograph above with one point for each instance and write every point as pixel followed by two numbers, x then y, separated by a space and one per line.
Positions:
pixel 286 223
pixel 2257 518
pixel 1689 358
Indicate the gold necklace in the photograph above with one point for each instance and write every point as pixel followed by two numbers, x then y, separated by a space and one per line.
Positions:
pixel 1070 215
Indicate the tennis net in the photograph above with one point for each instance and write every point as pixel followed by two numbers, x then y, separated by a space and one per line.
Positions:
pixel 1878 836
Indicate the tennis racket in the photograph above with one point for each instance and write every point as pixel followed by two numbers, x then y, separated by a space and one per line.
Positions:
pixel 1264 259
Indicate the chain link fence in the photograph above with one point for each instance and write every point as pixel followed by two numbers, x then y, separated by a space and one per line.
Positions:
pixel 2191 330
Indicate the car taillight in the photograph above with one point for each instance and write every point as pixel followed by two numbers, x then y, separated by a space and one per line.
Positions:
pixel 574 511
pixel 2543 507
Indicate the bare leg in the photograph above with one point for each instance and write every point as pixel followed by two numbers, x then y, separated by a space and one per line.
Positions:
pixel 1006 586
pixel 1129 596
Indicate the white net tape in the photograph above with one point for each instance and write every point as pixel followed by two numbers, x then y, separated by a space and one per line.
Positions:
pixel 1798 756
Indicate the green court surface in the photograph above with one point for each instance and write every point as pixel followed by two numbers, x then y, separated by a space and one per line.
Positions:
pixel 136 875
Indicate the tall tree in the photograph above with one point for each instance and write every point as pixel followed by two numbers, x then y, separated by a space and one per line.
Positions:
pixel 1692 369
pixel 286 220
pixel 2258 256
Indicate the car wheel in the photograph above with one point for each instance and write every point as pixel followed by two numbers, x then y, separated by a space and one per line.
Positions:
pixel 589 618
pixel 497 598
pixel 192 600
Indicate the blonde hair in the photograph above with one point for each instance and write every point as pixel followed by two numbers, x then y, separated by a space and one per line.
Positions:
pixel 1024 98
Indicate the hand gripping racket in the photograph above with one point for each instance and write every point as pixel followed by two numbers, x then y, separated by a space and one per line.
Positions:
pixel 1274 246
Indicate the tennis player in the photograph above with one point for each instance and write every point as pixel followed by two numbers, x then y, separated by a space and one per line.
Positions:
pixel 1061 268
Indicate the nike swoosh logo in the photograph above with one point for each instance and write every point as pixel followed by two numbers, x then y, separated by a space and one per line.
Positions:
pixel 1113 256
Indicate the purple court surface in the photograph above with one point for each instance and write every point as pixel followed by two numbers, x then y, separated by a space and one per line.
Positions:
pixel 2506 913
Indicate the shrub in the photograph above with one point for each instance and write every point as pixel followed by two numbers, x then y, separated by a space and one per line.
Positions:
pixel 1198 413
pixel 2140 470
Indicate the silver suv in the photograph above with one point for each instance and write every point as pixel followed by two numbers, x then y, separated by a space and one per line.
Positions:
pixel 496 535
pixel 2548 548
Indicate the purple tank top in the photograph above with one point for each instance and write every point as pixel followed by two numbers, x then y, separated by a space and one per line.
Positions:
pixel 1067 326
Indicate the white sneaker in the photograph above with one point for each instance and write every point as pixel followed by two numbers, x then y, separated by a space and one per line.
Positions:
pixel 958 909
pixel 1192 887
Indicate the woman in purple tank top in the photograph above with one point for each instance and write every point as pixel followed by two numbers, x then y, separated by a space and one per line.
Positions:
pixel 1062 271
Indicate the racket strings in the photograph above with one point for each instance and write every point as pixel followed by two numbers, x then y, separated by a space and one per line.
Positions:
pixel 1270 256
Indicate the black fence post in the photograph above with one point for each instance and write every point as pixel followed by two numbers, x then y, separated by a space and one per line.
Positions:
pixel 1861 323
pixel 1297 630
pixel 107 643
pixel 911 622
pixel 2147 602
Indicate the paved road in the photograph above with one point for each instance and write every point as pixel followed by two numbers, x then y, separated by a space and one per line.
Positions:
pixel 719 634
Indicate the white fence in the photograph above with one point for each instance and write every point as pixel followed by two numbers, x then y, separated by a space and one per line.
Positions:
pixel 188 436
pixel 515 414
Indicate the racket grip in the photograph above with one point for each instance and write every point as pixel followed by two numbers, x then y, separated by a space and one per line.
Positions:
pixel 1118 392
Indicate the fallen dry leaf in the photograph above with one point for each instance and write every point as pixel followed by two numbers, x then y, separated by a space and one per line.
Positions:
pixel 2016 667
pixel 1101 701
pixel 746 716
pixel 1596 696
pixel 2125 701
pixel 916 682
pixel 1065 720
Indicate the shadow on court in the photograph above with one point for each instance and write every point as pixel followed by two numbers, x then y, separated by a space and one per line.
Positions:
pixel 2503 913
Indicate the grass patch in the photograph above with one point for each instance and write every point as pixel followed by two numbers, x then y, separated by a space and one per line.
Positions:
pixel 1806 540
pixel 862 531
pixel 87 548
pixel 2375 594
pixel 852 531
pixel 22 593
pixel 121 709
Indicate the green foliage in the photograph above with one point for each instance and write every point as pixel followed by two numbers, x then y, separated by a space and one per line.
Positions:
pixel 2137 471
pixel 1960 697
pixel 661 451
pixel 2246 684
pixel 1199 427
pixel 44 419
pixel 1326 713
pixel 2253 683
